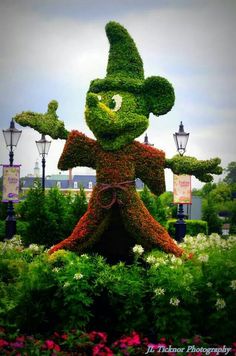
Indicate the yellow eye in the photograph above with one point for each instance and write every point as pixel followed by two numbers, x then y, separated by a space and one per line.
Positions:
pixel 117 99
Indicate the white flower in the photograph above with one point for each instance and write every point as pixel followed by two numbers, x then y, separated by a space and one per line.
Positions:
pixel 66 284
pixel 78 276
pixel 34 247
pixel 159 291
pixel 233 284
pixel 203 258
pixel 56 269
pixel 84 255
pixel 176 260
pixel 209 284
pixel 174 301
pixel 220 304
pixel 151 259
pixel 138 249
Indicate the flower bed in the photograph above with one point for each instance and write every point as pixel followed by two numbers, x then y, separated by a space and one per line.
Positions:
pixel 96 344
pixel 158 296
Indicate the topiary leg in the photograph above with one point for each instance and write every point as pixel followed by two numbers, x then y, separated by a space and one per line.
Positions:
pixel 88 230
pixel 146 230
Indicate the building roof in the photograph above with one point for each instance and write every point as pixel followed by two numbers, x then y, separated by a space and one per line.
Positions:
pixel 83 180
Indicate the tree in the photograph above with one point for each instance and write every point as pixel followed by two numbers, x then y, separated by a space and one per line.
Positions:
pixel 161 212
pixel 56 205
pixel 77 206
pixel 231 173
pixel 210 215
pixel 34 210
pixel 148 200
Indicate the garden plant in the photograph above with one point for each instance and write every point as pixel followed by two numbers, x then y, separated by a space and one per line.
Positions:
pixel 65 302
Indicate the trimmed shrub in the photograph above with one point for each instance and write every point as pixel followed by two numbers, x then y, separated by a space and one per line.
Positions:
pixel 193 227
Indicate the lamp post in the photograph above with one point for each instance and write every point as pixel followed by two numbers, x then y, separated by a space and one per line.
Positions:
pixel 43 148
pixel 181 140
pixel 11 136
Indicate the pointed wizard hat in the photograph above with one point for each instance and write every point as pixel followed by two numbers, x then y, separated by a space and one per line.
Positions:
pixel 125 73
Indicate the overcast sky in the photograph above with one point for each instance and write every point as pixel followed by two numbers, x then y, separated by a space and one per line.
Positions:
pixel 52 49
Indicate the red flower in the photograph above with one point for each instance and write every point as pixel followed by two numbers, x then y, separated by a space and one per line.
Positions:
pixel 3 343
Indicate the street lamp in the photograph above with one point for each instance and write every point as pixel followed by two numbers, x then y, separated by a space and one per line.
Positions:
pixel 43 148
pixel 181 140
pixel 11 136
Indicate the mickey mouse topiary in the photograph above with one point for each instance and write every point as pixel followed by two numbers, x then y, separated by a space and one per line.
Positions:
pixel 117 110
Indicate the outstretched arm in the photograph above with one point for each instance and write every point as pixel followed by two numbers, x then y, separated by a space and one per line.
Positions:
pixel 149 167
pixel 79 150
pixel 47 124
pixel 202 170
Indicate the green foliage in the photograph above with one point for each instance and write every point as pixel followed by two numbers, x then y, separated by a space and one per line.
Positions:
pixel 193 227
pixel 159 94
pixel 49 218
pixel 47 124
pixel 148 200
pixel 124 59
pixel 159 294
pixel 231 173
pixel 202 170
pixel 155 205
pixel 210 215
pixel 114 129
pixel 21 228
pixel 167 201
pixel 218 200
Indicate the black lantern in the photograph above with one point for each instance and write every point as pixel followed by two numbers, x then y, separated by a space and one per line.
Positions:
pixel 11 136
pixel 43 148
pixel 181 139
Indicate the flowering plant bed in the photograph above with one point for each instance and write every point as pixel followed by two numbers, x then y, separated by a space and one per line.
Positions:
pixel 158 296
pixel 96 343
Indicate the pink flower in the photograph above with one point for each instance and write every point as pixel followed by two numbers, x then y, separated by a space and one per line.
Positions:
pixel 102 350
pixel 51 345
pixel 95 334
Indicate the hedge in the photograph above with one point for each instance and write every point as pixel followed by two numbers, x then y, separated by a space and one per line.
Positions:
pixel 193 227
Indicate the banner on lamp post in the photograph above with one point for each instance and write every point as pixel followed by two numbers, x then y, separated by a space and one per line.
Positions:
pixel 11 183
pixel 182 189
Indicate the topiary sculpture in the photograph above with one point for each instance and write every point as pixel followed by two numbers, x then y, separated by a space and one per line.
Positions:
pixel 117 110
